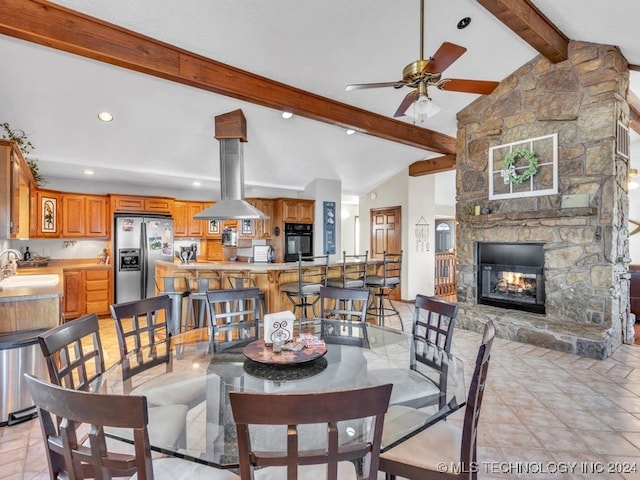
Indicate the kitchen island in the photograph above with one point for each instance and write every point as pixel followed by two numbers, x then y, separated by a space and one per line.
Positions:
pixel 267 276
pixel 30 307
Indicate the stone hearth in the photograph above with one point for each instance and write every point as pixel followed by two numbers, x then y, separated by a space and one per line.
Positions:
pixel 582 227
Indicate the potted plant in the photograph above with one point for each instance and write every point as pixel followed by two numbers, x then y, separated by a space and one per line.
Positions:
pixel 25 146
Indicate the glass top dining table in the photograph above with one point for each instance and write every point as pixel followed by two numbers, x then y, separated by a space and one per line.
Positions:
pixel 369 355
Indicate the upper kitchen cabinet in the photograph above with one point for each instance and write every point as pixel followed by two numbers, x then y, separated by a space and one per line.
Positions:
pixel 184 225
pixel 84 216
pixel 137 204
pixel 293 210
pixel 261 228
pixel 47 218
pixel 16 186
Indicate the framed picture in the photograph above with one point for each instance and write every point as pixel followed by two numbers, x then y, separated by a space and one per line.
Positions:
pixel 246 227
pixel 214 226
pixel 49 207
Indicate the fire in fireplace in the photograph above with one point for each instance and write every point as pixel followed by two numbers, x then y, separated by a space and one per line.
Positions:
pixel 511 275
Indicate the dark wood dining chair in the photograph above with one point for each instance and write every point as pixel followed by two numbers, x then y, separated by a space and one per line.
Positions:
pixel 69 457
pixel 235 317
pixel 74 358
pixel 420 456
pixel 73 352
pixel 332 457
pixel 433 326
pixel 344 312
pixel 145 343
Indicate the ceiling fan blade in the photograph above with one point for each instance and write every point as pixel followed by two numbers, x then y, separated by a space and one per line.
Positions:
pixel 408 100
pixel 358 86
pixel 483 87
pixel 445 56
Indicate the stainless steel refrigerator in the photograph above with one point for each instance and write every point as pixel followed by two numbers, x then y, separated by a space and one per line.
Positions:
pixel 139 242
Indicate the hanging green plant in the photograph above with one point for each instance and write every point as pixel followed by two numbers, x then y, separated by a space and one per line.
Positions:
pixel 508 171
pixel 26 147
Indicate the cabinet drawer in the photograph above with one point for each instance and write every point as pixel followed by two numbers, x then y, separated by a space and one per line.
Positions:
pixel 98 274
pixel 97 285
pixel 96 296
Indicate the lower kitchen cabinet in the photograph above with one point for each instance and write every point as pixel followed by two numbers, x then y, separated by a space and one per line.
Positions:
pixel 86 290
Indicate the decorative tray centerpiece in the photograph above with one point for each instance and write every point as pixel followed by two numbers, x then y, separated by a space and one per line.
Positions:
pixel 291 353
pixel 34 262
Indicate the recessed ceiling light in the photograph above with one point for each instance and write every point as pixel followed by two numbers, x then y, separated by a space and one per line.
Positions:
pixel 350 131
pixel 88 172
pixel 464 23
pixel 105 116
pixel 287 114
pixel 196 184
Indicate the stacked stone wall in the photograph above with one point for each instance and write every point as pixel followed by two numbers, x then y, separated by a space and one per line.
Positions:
pixel 586 249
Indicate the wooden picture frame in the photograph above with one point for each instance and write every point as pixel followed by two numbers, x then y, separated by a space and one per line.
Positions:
pixel 49 206
pixel 247 227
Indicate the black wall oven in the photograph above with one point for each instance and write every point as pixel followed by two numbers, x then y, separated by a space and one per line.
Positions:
pixel 298 237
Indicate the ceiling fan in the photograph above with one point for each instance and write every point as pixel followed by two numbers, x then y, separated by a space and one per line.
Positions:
pixel 425 73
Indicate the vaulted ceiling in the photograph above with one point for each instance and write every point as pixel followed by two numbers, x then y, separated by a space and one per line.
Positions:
pixel 172 66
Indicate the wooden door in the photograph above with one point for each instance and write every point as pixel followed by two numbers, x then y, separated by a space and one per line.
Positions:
pixel 386 235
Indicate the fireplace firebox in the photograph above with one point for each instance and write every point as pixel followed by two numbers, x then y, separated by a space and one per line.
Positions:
pixel 511 275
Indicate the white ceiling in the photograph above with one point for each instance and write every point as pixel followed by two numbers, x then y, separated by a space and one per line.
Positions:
pixel 162 134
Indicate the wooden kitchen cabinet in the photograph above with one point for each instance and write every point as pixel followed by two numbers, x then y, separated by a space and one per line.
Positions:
pixel 294 210
pixel 16 185
pixel 184 224
pixel 97 290
pixel 140 204
pixel 84 216
pixel 73 299
pixel 87 290
pixel 261 228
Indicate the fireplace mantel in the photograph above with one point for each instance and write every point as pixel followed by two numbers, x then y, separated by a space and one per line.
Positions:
pixel 532 215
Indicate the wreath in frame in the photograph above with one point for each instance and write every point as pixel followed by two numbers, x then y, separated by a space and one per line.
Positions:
pixel 508 171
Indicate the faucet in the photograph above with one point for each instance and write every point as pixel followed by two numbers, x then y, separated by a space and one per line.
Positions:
pixel 5 271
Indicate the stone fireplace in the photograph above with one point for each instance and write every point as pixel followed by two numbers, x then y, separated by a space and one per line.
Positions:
pixel 511 275
pixel 572 294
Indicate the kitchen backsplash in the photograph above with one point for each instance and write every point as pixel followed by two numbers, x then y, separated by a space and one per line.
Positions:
pixel 61 249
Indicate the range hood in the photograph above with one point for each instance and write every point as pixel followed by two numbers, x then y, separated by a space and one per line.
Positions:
pixel 230 131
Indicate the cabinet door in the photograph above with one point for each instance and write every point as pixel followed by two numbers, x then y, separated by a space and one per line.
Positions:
pixel 266 227
pixel 305 209
pixel 73 215
pixel 126 203
pixel 48 223
pixel 212 228
pixel 158 205
pixel 73 300
pixel 214 250
pixel 290 210
pixel 95 221
pixel 180 224
pixel 196 227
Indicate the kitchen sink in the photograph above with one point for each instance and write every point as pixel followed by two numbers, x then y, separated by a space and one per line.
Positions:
pixel 29 281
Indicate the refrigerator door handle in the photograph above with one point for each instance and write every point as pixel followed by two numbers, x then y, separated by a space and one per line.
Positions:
pixel 145 258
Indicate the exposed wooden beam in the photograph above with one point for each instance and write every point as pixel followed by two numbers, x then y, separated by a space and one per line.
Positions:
pixel 433 165
pixel 634 67
pixel 52 25
pixel 531 25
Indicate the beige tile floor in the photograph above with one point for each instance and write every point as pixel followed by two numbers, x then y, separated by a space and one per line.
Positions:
pixel 543 412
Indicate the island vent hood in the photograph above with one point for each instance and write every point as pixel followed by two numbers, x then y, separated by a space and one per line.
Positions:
pixel 231 132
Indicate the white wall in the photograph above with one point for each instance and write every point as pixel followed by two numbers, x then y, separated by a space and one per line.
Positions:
pixel 634 203
pixel 420 262
pixel 348 216
pixel 322 190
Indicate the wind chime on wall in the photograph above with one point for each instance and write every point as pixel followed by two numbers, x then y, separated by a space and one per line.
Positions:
pixel 422 235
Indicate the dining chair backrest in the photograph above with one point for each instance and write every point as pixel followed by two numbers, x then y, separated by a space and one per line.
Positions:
pixel 143 323
pixel 343 303
pixel 468 450
pixel 235 315
pixel 434 320
pixel 294 410
pixel 73 352
pixel 68 456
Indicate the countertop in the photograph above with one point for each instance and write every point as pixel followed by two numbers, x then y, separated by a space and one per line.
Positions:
pixel 249 266
pixel 55 267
